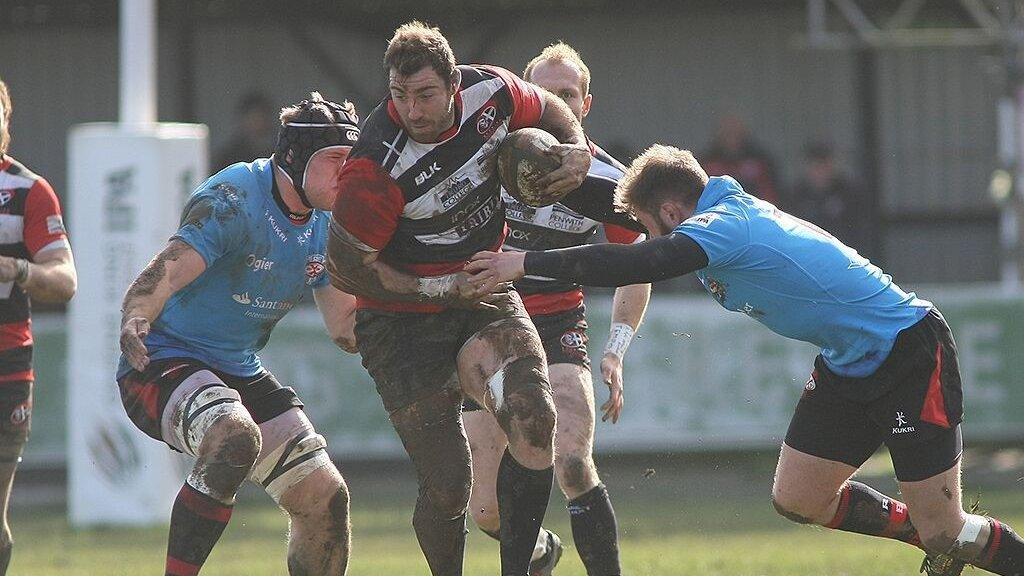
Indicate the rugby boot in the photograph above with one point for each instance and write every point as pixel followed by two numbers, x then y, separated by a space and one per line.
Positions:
pixel 545 564
pixel 942 565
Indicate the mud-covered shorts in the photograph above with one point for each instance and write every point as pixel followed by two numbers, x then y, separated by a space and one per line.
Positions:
pixel 412 355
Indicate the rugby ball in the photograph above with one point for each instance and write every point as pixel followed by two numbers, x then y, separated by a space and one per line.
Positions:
pixel 522 162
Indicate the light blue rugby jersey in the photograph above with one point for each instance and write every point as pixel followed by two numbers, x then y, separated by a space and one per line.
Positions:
pixel 797 279
pixel 259 265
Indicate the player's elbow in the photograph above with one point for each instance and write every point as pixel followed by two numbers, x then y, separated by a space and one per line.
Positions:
pixel 68 288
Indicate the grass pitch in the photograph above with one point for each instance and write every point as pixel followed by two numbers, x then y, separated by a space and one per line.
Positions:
pixel 706 518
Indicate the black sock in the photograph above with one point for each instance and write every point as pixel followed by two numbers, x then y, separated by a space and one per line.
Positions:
pixel 443 540
pixel 197 521
pixel 1004 552
pixel 595 532
pixel 864 510
pixel 522 500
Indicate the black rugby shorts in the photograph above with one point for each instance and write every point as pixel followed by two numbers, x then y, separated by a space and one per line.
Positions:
pixel 913 404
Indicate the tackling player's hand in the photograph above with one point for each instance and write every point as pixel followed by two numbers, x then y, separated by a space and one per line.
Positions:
pixel 490 269
pixel 464 294
pixel 575 163
pixel 611 371
pixel 133 338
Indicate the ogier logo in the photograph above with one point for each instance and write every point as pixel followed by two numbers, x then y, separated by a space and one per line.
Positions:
pixel 314 268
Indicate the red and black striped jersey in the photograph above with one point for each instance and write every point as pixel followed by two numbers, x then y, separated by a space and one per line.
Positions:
pixel 30 223
pixel 559 226
pixel 429 206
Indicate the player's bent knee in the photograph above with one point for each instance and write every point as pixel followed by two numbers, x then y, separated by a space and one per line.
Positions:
pixel 293 451
pixel 786 510
pixel 211 409
pixel 575 472
pixel 528 405
pixel 232 439
pixel 338 506
pixel 448 494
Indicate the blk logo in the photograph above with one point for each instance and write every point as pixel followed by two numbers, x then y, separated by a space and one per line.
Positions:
pixel 427 174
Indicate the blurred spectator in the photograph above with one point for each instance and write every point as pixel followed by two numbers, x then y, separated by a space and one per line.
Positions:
pixel 733 153
pixel 256 133
pixel 828 198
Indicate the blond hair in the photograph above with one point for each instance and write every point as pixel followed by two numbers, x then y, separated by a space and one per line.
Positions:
pixel 416 45
pixel 661 173
pixel 561 52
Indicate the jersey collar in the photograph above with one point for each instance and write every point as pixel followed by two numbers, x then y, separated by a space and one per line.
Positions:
pixel 718 187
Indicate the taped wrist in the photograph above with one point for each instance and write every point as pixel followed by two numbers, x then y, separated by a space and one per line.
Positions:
pixel 22 275
pixel 436 288
pixel 619 339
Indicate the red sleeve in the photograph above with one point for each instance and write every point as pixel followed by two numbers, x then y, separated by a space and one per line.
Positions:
pixel 618 235
pixel 369 202
pixel 527 100
pixel 43 222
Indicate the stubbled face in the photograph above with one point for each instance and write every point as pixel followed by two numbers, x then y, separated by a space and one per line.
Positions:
pixel 565 80
pixel 321 180
pixel 670 214
pixel 425 103
pixel 653 225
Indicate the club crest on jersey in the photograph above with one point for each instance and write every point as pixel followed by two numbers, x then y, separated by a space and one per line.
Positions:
pixel 21 413
pixel 5 196
pixel 716 288
pixel 572 339
pixel 314 268
pixel 485 121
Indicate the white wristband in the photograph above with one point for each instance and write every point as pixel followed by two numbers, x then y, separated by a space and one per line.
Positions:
pixel 619 338
pixel 437 287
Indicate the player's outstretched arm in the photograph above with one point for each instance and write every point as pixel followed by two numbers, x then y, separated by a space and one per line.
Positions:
pixel 175 267
pixel 593 265
pixel 339 313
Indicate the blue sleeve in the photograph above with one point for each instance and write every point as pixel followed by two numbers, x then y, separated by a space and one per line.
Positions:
pixel 213 222
pixel 722 234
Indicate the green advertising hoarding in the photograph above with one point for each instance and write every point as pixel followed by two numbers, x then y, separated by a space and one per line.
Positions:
pixel 696 378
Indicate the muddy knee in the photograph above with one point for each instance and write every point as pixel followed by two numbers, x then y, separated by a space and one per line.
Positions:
pixel 227 454
pixel 337 509
pixel 575 473
pixel 527 412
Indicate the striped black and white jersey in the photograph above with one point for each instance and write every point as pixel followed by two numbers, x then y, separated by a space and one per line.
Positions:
pixel 429 206
pixel 559 226
pixel 30 223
